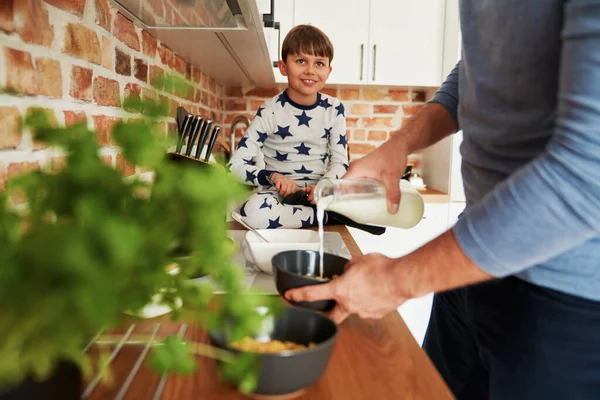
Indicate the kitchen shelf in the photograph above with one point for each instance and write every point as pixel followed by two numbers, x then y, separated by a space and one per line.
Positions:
pixel 434 196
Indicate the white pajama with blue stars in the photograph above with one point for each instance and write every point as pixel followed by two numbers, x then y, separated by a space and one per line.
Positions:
pixel 304 143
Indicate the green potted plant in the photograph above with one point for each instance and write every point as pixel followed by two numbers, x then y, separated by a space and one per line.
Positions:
pixel 85 244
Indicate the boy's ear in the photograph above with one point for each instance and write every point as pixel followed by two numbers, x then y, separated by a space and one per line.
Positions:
pixel 282 67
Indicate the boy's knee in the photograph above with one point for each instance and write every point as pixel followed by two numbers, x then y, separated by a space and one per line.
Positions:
pixel 250 212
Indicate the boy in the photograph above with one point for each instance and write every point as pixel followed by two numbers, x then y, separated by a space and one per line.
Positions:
pixel 301 134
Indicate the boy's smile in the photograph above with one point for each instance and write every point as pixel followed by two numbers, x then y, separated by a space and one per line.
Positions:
pixel 307 75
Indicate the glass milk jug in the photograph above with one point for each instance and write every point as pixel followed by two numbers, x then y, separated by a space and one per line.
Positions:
pixel 364 201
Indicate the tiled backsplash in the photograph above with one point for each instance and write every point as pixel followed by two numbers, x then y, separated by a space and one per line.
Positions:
pixel 372 114
pixel 80 59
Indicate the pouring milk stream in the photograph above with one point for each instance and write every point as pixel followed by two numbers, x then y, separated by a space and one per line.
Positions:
pixel 364 201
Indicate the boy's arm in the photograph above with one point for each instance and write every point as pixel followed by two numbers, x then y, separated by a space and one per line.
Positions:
pixel 338 145
pixel 242 162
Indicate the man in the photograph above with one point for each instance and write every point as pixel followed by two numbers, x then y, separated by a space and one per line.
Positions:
pixel 517 280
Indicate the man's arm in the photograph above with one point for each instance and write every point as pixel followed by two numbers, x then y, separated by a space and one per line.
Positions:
pixel 551 205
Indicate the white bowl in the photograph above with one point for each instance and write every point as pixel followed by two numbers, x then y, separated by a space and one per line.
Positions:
pixel 279 240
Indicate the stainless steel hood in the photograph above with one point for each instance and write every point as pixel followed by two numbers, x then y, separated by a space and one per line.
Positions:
pixel 188 14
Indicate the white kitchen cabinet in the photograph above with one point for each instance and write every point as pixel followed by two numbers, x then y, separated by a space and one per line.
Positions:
pixel 396 242
pixel 378 42
pixel 346 24
pixel 406 40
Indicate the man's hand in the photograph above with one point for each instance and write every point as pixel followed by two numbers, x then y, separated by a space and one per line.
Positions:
pixel 284 185
pixel 385 164
pixel 366 288
pixel 374 285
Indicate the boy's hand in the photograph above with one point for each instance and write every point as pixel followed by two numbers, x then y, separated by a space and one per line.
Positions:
pixel 284 185
pixel 310 190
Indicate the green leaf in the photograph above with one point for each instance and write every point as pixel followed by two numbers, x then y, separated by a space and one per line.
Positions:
pixel 173 356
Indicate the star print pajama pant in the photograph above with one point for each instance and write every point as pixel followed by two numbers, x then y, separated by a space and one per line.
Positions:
pixel 264 210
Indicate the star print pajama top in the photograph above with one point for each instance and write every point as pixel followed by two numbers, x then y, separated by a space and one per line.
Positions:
pixel 304 143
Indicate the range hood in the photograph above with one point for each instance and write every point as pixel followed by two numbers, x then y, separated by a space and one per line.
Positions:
pixel 194 14
pixel 223 38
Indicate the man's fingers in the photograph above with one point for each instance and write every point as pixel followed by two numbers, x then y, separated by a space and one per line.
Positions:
pixel 311 293
pixel 393 195
pixel 338 315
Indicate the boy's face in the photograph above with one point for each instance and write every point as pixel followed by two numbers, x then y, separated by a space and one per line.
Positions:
pixel 306 75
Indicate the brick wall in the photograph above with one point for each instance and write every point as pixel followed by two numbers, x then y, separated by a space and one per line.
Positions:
pixel 80 59
pixel 372 114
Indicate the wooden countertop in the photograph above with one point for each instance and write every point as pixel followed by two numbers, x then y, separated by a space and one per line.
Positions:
pixel 434 196
pixel 372 359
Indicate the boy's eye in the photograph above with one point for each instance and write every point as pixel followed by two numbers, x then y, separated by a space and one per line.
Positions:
pixel 300 61
pixel 320 64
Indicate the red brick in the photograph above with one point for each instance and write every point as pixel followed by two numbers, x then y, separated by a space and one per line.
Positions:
pixel 212 84
pixel 235 91
pixel 20 168
pixel 149 44
pixel 107 54
pixel 140 69
pixel 7 16
pixel 378 136
pixel 133 91
pixel 405 120
pixel 103 16
pixel 125 167
pixel 106 92
pixel 361 109
pixel 360 148
pixel 179 64
pixel 237 105
pixel 374 94
pixel 256 104
pixel 359 134
pixel 122 62
pixel 411 109
pixel 231 116
pixel 57 163
pixel 104 126
pixel 156 75
pixel 165 54
pixel 73 6
pixel 377 122
pixel 158 7
pixel 351 122
pixel 262 92
pixel 124 30
pixel 418 96
pixel 34 26
pixel 49 76
pixel 74 117
pixel 398 95
pixel 330 92
pixel 349 94
pixel 20 74
pixel 197 75
pixel 83 43
pixel 52 122
pixel 81 83
pixel 10 134
pixel 197 96
pixel 385 109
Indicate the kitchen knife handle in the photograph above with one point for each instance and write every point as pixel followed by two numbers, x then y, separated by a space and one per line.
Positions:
pixel 193 135
pixel 203 137
pixel 183 132
pixel 211 144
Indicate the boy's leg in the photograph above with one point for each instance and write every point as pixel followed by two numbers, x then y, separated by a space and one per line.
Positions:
pixel 264 210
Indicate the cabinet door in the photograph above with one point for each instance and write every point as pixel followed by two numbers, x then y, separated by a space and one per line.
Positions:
pixel 406 42
pixel 345 22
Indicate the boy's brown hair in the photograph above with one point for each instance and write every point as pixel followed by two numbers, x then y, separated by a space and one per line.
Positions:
pixel 307 39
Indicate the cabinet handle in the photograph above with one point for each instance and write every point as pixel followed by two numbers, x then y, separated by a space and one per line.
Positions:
pixel 374 60
pixel 362 61
pixel 278 27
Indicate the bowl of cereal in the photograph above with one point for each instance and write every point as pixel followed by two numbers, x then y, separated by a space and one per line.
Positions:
pixel 297 268
pixel 293 350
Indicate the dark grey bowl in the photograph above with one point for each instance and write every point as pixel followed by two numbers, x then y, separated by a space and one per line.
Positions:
pixel 289 372
pixel 289 268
